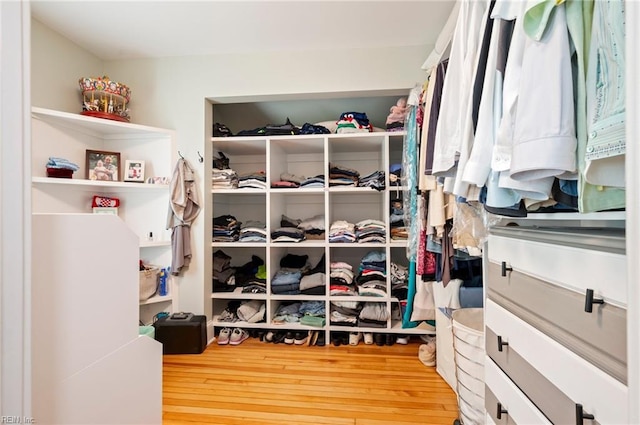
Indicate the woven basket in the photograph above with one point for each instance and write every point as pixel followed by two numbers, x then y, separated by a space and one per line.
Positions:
pixel 149 282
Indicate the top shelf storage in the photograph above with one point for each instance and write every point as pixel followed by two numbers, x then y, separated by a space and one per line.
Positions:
pixel 97 126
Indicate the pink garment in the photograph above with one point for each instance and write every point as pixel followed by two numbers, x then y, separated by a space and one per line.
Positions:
pixel 284 184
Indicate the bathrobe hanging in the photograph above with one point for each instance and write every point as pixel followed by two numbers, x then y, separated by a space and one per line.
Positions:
pixel 184 207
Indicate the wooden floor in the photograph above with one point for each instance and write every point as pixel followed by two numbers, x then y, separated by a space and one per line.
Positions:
pixel 261 383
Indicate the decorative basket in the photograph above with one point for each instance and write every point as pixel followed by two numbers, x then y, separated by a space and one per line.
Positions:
pixel 62 173
pixel 149 282
pixel 104 98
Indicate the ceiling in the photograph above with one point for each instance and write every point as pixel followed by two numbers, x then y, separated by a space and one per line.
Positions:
pixel 115 30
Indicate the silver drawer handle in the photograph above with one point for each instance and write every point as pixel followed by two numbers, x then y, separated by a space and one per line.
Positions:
pixel 505 269
pixel 500 411
pixel 581 416
pixel 589 301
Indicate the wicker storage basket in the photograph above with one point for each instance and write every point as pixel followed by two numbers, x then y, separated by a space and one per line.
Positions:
pixel 149 282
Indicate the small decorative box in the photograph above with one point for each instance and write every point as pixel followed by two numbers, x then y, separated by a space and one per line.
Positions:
pixel 62 173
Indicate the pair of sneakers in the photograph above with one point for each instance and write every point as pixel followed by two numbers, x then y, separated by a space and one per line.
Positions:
pixel 227 336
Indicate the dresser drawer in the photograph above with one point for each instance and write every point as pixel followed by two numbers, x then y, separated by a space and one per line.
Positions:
pixel 599 336
pixel 581 382
pixel 555 405
pixel 505 404
pixel 577 260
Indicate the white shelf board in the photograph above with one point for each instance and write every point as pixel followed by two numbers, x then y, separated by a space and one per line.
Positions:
pixel 98 126
pixel 399 243
pixel 157 299
pixel 93 185
pixel 240 145
pixel 287 327
pixel 358 298
pixel 237 294
pixel 240 191
pixel 297 190
pixel 238 244
pixel 153 244
pixel 357 245
pixel 240 324
pixel 300 297
pixel 352 189
pixel 305 243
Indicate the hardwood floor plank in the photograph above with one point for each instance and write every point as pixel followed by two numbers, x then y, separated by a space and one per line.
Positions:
pixel 260 383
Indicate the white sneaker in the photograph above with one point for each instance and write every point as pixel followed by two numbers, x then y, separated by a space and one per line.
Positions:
pixel 368 338
pixel 354 338
pixel 237 336
pixel 402 339
pixel 223 336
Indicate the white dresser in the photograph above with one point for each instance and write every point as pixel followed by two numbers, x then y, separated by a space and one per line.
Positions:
pixel 555 326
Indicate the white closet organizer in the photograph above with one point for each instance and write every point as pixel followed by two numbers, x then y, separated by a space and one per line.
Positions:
pixel 309 155
pixel 143 207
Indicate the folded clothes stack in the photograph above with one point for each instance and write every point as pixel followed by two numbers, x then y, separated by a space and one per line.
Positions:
pixel 60 167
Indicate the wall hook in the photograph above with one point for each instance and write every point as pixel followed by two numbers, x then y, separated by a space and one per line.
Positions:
pixel 200 158
pixel 180 155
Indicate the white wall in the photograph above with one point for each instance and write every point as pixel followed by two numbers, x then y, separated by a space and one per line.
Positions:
pixel 15 213
pixel 172 93
pixel 57 64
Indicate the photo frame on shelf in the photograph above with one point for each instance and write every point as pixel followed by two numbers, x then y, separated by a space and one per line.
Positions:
pixel 134 171
pixel 102 165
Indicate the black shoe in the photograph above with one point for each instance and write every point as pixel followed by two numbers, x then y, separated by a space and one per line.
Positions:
pixel 288 339
pixel 301 338
pixel 320 341
pixel 278 337
pixel 336 340
pixel 344 338
pixel 379 339
pixel 390 339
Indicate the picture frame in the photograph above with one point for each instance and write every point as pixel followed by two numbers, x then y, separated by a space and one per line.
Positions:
pixel 102 165
pixel 134 170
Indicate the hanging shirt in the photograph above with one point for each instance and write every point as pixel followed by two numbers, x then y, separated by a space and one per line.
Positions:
pixel 456 93
pixel 605 153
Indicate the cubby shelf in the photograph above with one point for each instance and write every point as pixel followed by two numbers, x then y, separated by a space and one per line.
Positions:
pixel 307 156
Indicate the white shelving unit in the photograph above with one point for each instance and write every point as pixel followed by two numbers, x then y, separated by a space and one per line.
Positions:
pixel 143 207
pixel 308 155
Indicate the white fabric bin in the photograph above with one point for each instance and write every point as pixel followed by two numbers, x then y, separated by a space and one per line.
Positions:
pixel 468 345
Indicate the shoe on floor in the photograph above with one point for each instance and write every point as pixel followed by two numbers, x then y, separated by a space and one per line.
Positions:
pixel 268 337
pixel 223 336
pixel 354 338
pixel 237 336
pixel 278 337
pixel 288 339
pixel 300 338
pixel 390 339
pixel 379 338
pixel 320 342
pixel 402 339
pixel 427 353
pixel 368 338
pixel 336 339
